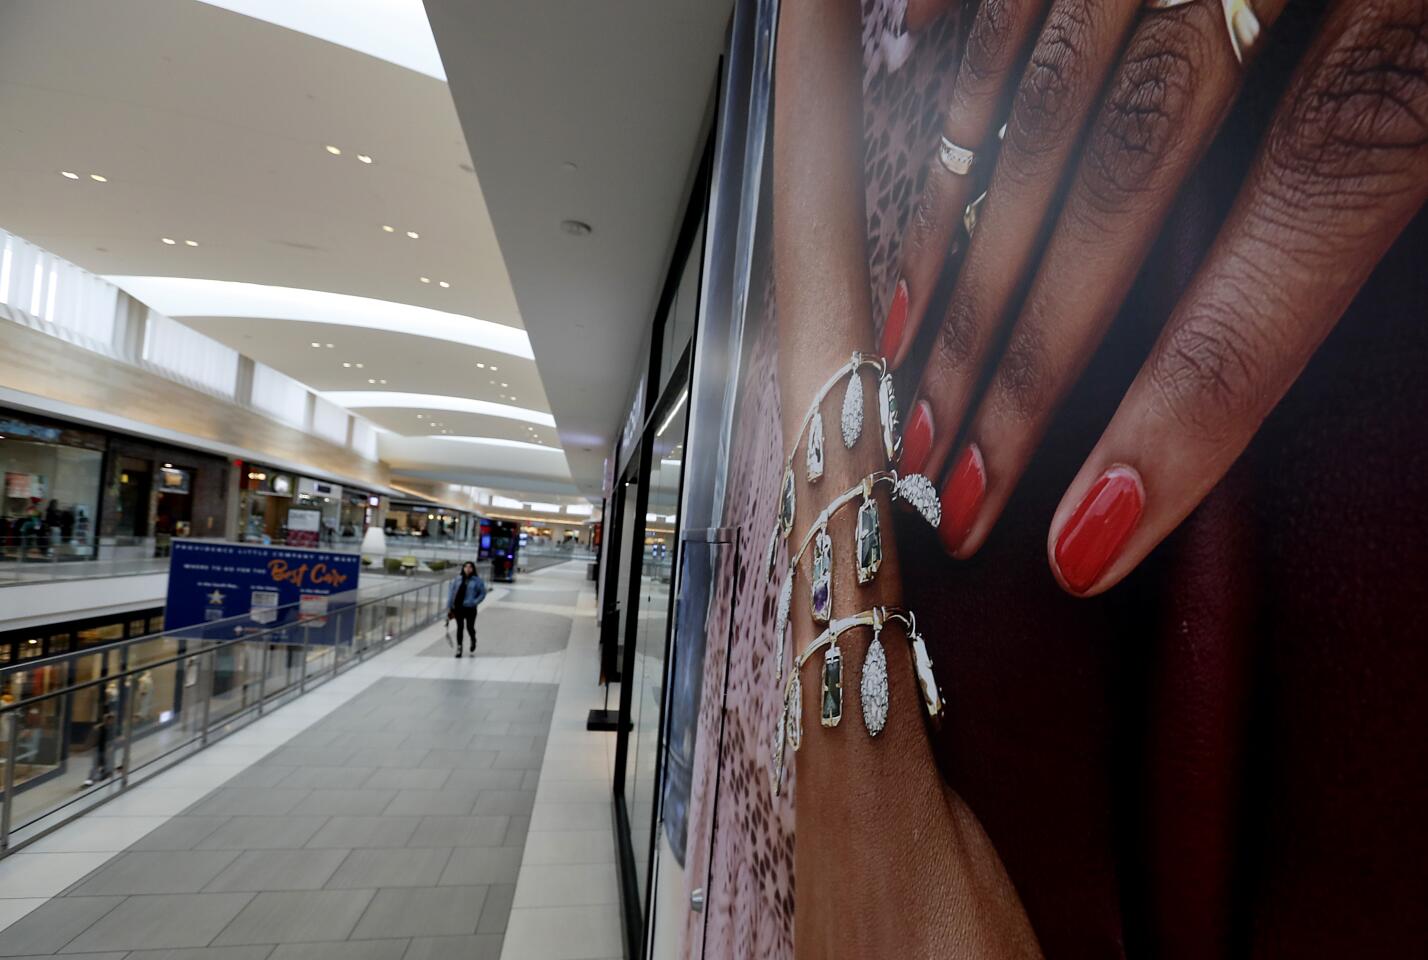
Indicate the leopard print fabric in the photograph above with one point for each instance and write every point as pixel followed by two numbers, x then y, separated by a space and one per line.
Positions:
pixel 744 855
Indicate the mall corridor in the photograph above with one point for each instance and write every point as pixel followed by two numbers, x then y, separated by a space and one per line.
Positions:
pixel 417 807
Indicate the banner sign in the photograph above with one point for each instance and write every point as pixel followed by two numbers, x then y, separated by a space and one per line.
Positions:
pixel 309 590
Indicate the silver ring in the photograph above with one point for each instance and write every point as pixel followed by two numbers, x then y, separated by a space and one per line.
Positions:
pixel 957 160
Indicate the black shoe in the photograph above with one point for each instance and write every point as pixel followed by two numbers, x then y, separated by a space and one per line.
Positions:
pixel 458 653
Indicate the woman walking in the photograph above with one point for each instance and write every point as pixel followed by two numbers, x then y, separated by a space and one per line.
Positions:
pixel 467 592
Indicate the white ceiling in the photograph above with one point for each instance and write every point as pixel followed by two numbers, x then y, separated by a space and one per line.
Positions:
pixel 620 90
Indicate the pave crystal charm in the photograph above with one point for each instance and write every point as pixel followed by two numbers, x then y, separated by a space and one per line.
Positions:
pixel 814 457
pixel 870 539
pixel 786 503
pixel 785 600
pixel 852 421
pixel 821 595
pixel 887 412
pixel 832 710
pixel 795 714
pixel 780 736
pixel 926 681
pixel 919 491
pixel 874 685
pixel 769 554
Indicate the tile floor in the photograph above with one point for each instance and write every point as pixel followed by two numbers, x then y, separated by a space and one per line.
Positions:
pixel 418 807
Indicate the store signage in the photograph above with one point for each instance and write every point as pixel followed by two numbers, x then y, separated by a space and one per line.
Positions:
pixel 304 527
pixel 310 594
pixel 18 428
pixel 309 487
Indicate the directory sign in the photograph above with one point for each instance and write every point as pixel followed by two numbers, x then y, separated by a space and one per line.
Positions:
pixel 311 594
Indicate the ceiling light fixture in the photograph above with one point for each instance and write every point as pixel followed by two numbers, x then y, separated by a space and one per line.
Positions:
pixel 190 243
pixel 505 384
pixel 329 346
pixel 381 381
pixel 370 380
pixel 480 365
pixel 168 240
pixel 316 344
pixel 444 285
pixel 364 158
pixel 576 228
pixel 424 279
pixel 359 366
pixel 388 228
pixel 98 179
pixel 413 234
pixel 346 364
pixel 494 368
pixel 69 174
pixel 335 151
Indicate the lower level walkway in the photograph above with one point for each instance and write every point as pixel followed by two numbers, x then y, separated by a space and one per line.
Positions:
pixel 419 807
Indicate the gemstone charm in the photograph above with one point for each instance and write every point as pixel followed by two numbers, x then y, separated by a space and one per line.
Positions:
pixel 926 681
pixel 874 685
pixel 821 596
pixel 814 455
pixel 786 503
pixel 785 600
pixel 887 412
pixel 776 751
pixel 919 491
pixel 870 538
pixel 852 422
pixel 795 714
pixel 832 687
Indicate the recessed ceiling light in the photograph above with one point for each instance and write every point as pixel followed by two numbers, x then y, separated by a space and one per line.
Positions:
pixel 346 364
pixel 316 344
pixel 494 368
pixel 493 383
pixel 413 234
pixel 169 240
pixel 335 151
pixel 98 179
pixel 480 365
pixel 69 174
pixel 513 396
pixel 444 285
pixel 505 384
pixel 364 158
pixel 576 228
pixel 370 380
pixel 381 381
pixel 424 279
pixel 190 243
pixel 419 416
pixel 359 366
pixel 388 228
pixel 329 346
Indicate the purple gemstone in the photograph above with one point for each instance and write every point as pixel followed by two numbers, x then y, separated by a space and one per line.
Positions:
pixel 820 599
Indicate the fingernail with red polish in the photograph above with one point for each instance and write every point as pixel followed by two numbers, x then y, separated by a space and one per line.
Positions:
pixel 1099 528
pixel 962 497
pixel 897 323
pixel 917 438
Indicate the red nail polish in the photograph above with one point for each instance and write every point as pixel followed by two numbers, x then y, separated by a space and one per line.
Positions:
pixel 917 438
pixel 1094 535
pixel 962 497
pixel 897 323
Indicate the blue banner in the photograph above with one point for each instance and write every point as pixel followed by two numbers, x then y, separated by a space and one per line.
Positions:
pixel 308 594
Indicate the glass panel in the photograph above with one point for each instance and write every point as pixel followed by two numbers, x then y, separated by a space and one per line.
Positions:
pixel 652 637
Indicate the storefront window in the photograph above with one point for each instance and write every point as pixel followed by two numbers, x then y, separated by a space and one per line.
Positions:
pixel 51 490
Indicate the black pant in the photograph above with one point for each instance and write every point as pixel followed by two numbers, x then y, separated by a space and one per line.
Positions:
pixel 466 616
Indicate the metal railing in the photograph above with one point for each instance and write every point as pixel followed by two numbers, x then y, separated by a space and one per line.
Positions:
pixel 81 728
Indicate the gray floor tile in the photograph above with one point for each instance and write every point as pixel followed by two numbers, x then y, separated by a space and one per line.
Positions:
pixel 505 802
pixel 456 740
pixel 354 832
pixel 179 833
pixel 116 955
pixel 343 950
pixel 259 952
pixel 458 759
pixel 297 916
pixel 497 908
pixel 346 803
pixel 479 947
pixel 407 778
pixel 530 780
pixel 505 741
pixel 263 833
pixel 390 867
pixel 460 832
pixel 257 870
pixel 395 757
pixel 516 832
pixel 248 801
pixel 155 871
pixel 50 926
pixel 479 866
pixel 485 779
pixel 422 911
pixel 332 778
pixel 432 803
pixel 302 756
pixel 259 776
pixel 518 760
pixel 157 922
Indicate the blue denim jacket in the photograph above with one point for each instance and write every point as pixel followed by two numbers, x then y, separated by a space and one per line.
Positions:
pixel 475 593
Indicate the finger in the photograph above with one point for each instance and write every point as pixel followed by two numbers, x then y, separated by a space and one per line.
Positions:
pixel 920 13
pixel 995 44
pixel 1343 169
pixel 1064 75
pixel 1176 79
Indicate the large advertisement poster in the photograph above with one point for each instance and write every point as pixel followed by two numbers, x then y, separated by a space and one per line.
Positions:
pixel 1080 466
pixel 308 593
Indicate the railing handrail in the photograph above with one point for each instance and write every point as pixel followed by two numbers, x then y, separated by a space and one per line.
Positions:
pixel 210 646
